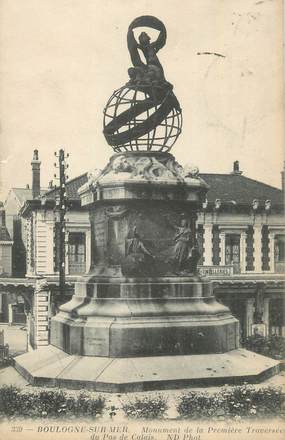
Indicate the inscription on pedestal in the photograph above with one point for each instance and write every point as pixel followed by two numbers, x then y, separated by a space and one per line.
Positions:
pixel 96 341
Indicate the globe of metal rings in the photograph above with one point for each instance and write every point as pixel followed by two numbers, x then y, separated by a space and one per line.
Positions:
pixel 142 119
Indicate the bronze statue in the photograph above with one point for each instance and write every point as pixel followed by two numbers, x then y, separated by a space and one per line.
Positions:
pixel 126 127
pixel 152 70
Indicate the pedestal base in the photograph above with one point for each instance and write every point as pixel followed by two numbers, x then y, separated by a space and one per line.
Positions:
pixel 150 317
pixel 146 336
pixel 49 366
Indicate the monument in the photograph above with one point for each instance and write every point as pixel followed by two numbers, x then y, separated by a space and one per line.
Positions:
pixel 143 318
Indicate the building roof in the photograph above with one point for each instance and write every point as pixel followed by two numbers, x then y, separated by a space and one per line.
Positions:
pixel 226 187
pixel 24 194
pixel 240 189
pixel 71 186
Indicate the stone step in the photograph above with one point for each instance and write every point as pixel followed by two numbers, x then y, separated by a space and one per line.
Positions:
pixel 49 366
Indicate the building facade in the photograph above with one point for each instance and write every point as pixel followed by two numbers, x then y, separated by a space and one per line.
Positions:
pixel 13 204
pixel 241 232
pixel 40 219
pixel 5 262
pixel 13 251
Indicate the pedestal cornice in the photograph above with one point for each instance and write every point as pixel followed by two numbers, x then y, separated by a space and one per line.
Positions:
pixel 144 176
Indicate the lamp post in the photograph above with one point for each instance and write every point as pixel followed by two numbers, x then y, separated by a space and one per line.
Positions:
pixel 61 209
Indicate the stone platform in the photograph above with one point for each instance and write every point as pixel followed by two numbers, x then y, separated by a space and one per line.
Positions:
pixel 49 366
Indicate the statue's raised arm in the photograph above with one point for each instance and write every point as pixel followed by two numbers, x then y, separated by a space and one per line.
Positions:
pixel 133 49
pixel 149 49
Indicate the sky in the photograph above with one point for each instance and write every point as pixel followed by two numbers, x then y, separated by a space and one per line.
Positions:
pixel 62 59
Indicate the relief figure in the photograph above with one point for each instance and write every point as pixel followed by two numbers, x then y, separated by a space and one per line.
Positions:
pixel 139 259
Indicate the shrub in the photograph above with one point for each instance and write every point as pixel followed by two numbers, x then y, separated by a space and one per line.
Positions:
pixel 195 405
pixel 272 346
pixel 28 406
pixel 9 400
pixel 85 405
pixel 47 403
pixel 146 407
pixel 268 400
pixel 50 403
pixel 250 402
pixel 241 401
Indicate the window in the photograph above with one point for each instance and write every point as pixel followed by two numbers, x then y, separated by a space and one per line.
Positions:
pixel 232 251
pixel 279 248
pixel 76 253
pixel 276 316
pixel 279 253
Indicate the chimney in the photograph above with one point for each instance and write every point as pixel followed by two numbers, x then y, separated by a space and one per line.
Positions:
pixel 236 169
pixel 36 184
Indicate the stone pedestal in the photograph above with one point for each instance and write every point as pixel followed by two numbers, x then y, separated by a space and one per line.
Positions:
pixel 143 296
pixel 160 316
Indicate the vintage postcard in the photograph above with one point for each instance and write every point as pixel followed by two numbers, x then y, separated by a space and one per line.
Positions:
pixel 142 239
